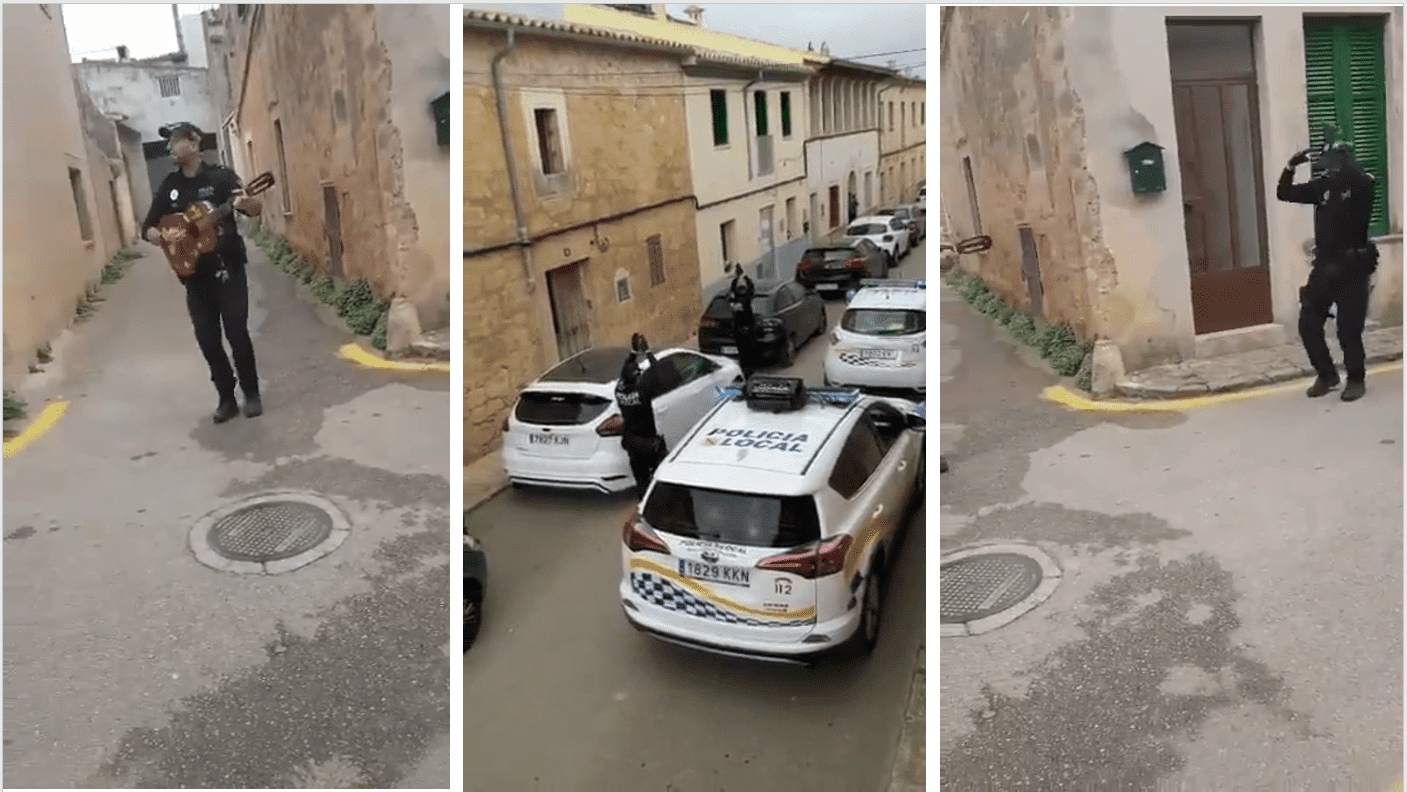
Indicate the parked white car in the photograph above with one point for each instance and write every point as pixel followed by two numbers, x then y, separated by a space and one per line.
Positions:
pixel 881 341
pixel 922 195
pixel 769 532
pixel 564 430
pixel 889 234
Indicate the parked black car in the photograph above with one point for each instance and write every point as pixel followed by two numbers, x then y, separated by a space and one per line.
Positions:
pixel 788 315
pixel 836 268
pixel 476 574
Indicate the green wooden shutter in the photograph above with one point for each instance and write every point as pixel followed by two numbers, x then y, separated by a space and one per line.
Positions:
pixel 759 100
pixel 720 117
pixel 1345 86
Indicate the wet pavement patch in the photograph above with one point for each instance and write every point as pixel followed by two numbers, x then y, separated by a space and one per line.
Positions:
pixel 1054 524
pixel 22 532
pixel 363 697
pixel 1108 711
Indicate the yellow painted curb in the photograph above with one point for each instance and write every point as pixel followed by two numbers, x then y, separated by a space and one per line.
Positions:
pixel 361 357
pixel 1063 395
pixel 49 416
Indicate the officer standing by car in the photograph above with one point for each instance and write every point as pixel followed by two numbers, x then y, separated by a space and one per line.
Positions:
pixel 635 394
pixel 740 294
pixel 1344 262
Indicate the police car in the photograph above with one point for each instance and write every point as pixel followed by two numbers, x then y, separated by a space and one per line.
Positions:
pixel 564 430
pixel 881 340
pixel 769 531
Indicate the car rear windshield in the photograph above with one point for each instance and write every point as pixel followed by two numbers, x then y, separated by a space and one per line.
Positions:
pixel 733 517
pixel 559 409
pixel 599 365
pixel 866 229
pixel 830 255
pixel 883 321
pixel 718 307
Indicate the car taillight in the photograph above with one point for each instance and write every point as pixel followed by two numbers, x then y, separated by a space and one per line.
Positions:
pixel 803 264
pixel 505 424
pixel 637 536
pixel 709 323
pixel 817 560
pixel 855 263
pixel 611 427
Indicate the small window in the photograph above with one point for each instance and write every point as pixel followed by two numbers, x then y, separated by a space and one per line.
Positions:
pixel 80 201
pixel 656 253
pixel 786 118
pixel 169 84
pixel 666 375
pixel 791 214
pixel 623 289
pixel 720 117
pixel 859 459
pixel 759 103
pixel 725 234
pixel 888 424
pixel 549 142
pixel 891 116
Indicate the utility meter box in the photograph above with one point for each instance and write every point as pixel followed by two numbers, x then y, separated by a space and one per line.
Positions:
pixel 1146 169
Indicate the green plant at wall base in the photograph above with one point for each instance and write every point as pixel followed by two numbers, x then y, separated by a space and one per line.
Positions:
pixel 378 333
pixel 15 407
pixel 1084 377
pixel 324 289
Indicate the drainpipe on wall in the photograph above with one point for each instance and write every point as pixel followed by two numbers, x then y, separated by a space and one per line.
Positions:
pixel 524 244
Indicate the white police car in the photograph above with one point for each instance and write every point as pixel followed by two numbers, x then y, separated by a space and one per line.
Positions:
pixel 769 531
pixel 564 431
pixel 881 341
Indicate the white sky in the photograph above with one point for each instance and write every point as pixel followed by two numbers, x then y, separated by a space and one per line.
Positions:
pixel 95 30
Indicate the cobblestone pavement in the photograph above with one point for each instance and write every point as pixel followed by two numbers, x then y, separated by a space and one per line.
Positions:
pixel 1248 369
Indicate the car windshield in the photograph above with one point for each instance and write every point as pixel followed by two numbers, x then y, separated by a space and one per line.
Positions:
pixel 830 255
pixel 559 409
pixel 883 321
pixel 718 307
pixel 866 229
pixel 732 517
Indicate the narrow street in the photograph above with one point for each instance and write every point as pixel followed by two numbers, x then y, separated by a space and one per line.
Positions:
pixel 129 661
pixel 562 695
pixel 1230 609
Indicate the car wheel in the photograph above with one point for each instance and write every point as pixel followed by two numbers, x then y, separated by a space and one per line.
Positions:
pixel 871 608
pixel 789 351
pixel 825 322
pixel 473 613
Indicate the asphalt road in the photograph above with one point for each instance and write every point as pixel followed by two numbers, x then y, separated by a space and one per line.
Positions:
pixel 1230 614
pixel 562 695
pixel 128 663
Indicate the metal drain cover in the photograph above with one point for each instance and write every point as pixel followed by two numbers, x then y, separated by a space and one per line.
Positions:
pixel 270 533
pixel 984 588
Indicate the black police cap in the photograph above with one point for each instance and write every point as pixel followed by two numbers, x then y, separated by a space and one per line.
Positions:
pixel 180 129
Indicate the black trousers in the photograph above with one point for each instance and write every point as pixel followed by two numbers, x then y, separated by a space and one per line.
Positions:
pixel 1342 282
pixel 646 454
pixel 214 303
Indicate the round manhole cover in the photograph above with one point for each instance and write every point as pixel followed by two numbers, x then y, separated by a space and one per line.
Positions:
pixel 982 585
pixel 270 533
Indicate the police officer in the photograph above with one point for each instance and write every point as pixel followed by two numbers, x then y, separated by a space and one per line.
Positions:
pixel 1344 261
pixel 217 293
pixel 635 393
pixel 740 294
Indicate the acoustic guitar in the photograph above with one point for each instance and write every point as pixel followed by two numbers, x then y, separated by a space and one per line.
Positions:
pixel 200 222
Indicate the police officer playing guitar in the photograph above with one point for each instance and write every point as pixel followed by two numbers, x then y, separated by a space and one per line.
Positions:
pixel 217 292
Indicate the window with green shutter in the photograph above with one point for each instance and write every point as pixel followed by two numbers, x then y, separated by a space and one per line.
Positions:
pixel 720 117
pixel 1345 86
pixel 759 101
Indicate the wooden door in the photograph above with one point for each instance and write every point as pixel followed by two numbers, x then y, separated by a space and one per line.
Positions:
pixel 332 222
pixel 570 312
pixel 1217 115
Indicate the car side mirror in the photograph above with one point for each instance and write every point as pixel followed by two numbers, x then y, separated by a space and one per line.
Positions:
pixel 915 421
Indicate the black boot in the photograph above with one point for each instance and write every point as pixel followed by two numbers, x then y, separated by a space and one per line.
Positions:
pixel 228 409
pixel 1353 390
pixel 253 406
pixel 1322 385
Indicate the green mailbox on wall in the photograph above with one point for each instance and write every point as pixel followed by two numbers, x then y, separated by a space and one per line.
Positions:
pixel 440 109
pixel 1146 169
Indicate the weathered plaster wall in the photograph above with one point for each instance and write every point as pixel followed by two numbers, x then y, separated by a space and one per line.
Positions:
pixel 627 179
pixel 829 162
pixel 131 89
pixel 47 262
pixel 788 242
pixel 1019 121
pixel 901 149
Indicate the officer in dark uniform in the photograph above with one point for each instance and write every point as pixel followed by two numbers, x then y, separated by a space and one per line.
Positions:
pixel 217 294
pixel 1344 262
pixel 740 294
pixel 635 394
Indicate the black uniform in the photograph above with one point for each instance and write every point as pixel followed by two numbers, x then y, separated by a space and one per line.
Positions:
pixel 740 294
pixel 635 395
pixel 218 292
pixel 1344 261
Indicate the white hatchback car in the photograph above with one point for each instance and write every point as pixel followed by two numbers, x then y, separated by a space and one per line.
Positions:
pixel 564 430
pixel 881 341
pixel 889 234
pixel 768 533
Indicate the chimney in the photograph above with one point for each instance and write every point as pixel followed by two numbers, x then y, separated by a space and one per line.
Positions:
pixel 695 13
pixel 657 11
pixel 180 39
pixel 121 53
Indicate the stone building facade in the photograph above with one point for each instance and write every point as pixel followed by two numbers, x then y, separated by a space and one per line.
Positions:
pixel 1053 124
pixel 579 223
pixel 338 101
pixel 903 132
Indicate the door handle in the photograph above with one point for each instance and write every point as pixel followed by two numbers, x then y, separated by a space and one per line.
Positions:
pixel 878 511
